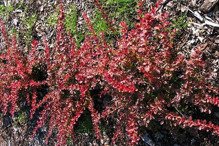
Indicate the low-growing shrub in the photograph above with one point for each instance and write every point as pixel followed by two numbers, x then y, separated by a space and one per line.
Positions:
pixel 144 75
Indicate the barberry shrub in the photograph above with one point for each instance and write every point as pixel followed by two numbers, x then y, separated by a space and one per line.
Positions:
pixel 146 77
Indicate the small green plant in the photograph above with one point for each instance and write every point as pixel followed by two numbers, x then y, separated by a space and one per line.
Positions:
pixel 180 22
pixel 5 11
pixel 52 19
pixel 29 23
pixel 71 19
pixel 70 22
pixel 110 2
pixel 123 10
pixel 100 25
pixel 21 118
pixel 13 31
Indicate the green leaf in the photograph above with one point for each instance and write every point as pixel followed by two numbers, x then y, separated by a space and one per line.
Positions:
pixel 71 19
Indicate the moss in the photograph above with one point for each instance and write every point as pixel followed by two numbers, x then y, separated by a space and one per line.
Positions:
pixel 121 10
pixel 21 118
pixel 29 23
pixel 53 19
pixel 180 23
pixel 118 1
pixel 71 19
pixel 5 11
pixel 100 25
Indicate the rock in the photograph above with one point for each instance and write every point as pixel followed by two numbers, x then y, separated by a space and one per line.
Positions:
pixel 15 21
pixel 208 5
pixel 147 140
pixel 217 41
pixel 193 3
pixel 17 11
pixel 217 55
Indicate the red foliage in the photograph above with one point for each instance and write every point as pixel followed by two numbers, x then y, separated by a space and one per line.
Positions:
pixel 199 124
pixel 136 74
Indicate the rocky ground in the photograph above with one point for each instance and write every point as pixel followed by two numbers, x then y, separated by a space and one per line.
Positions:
pixel 196 20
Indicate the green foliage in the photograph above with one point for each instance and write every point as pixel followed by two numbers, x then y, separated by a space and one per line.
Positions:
pixel 30 21
pixel 5 11
pixel 12 31
pixel 52 19
pixel 121 10
pixel 21 117
pixel 71 19
pixel 69 141
pixel 27 21
pixel 27 36
pixel 79 37
pixel 84 124
pixel 110 2
pixel 100 25
pixel 180 22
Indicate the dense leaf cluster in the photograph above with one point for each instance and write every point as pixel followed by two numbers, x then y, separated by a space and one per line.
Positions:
pixel 146 77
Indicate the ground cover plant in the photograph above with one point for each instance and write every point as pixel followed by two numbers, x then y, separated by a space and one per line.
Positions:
pixel 140 81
